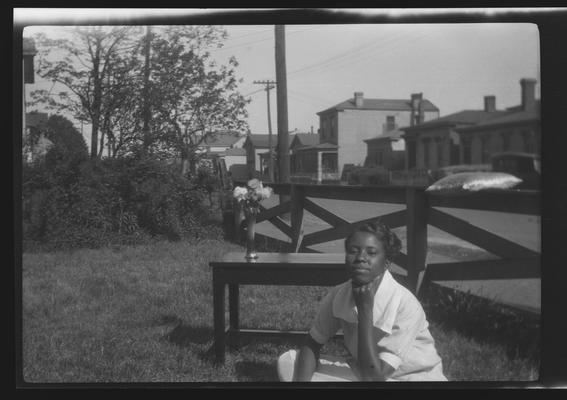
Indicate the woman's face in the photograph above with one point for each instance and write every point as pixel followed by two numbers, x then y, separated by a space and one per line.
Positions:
pixel 365 258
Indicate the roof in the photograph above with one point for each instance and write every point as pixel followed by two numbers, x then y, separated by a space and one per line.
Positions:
pixel 28 47
pixel 235 152
pixel 261 140
pixel 465 117
pixel 380 104
pixel 222 139
pixel 304 139
pixel 321 146
pixel 508 118
pixel 391 135
pixel 515 154
pixel 36 119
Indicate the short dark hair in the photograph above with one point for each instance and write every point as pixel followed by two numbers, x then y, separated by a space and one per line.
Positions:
pixel 391 242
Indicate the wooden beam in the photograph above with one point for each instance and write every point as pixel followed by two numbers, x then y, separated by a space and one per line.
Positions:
pixel 394 219
pixel 375 194
pixel 416 235
pixel 509 201
pixel 521 268
pixel 269 213
pixel 325 215
pixel 297 204
pixel 479 237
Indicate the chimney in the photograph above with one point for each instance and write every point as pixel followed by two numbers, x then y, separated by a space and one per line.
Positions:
pixel 416 109
pixel 358 99
pixel 489 103
pixel 528 93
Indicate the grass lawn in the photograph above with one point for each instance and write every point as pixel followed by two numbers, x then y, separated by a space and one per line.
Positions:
pixel 144 314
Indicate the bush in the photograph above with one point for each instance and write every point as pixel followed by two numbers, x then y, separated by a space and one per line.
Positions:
pixel 118 201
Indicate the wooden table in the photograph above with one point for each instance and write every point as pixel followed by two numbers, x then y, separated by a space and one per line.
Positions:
pixel 302 269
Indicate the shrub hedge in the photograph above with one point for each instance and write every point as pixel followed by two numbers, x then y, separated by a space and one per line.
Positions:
pixel 93 203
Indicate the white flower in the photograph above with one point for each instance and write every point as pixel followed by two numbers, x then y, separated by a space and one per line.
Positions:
pixel 265 192
pixel 240 193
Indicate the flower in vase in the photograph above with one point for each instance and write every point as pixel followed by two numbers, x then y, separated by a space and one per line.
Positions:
pixel 251 195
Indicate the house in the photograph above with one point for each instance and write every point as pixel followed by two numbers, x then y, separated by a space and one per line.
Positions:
pixel 386 151
pixel 35 144
pixel 436 143
pixel 235 163
pixel 28 53
pixel 516 130
pixel 300 158
pixel 220 141
pixel 473 136
pixel 348 124
pixel 255 145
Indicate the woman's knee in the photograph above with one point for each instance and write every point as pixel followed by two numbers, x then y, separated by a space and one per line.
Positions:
pixel 286 365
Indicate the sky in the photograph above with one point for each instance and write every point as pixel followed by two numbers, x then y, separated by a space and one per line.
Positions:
pixel 453 65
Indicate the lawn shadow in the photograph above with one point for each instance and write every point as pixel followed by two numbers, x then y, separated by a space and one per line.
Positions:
pixel 484 320
pixel 256 371
pixel 184 335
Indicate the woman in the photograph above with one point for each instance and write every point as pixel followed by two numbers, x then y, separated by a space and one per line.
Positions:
pixel 384 325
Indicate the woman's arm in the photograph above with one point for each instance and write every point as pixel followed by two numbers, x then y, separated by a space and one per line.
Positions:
pixel 371 367
pixel 307 360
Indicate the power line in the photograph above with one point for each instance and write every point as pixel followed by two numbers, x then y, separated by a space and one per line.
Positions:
pixel 372 47
pixel 254 92
pixel 258 41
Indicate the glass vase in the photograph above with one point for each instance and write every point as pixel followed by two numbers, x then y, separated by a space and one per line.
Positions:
pixel 250 236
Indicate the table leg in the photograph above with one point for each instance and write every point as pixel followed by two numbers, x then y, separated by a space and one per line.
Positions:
pixel 233 309
pixel 218 316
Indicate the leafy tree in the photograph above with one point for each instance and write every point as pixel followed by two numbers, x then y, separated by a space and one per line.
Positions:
pixel 155 92
pixel 192 97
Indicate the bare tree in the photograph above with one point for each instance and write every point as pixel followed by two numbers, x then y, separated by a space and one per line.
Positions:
pixel 85 66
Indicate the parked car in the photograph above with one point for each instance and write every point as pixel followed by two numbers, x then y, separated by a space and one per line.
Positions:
pixel 526 166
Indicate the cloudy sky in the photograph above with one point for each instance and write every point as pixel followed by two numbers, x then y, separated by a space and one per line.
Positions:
pixel 453 65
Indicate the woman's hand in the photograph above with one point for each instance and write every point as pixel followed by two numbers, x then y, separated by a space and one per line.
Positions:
pixel 364 295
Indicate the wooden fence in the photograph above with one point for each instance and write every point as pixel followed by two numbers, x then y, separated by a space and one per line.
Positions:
pixel 421 210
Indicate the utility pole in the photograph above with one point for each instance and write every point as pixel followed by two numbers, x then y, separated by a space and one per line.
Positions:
pixel 281 79
pixel 269 86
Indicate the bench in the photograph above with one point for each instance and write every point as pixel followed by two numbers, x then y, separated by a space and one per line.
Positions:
pixel 301 269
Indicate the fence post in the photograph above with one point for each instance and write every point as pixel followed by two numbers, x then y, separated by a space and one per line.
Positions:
pixel 417 205
pixel 297 204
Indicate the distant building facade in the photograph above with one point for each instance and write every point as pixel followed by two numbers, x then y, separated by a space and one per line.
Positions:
pixel 349 123
pixel 516 130
pixel 473 136
pixel 436 143
pixel 35 144
pixel 255 145
pixel 28 53
pixel 386 151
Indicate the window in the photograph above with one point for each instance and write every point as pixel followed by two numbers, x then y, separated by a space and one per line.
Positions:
pixel 390 123
pixel 528 141
pixel 485 149
pixel 380 157
pixel 466 143
pixel 411 153
pixel 439 146
pixel 332 127
pixel 506 138
pixel 426 152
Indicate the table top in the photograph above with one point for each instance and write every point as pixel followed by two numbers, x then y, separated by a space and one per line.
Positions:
pixel 287 260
